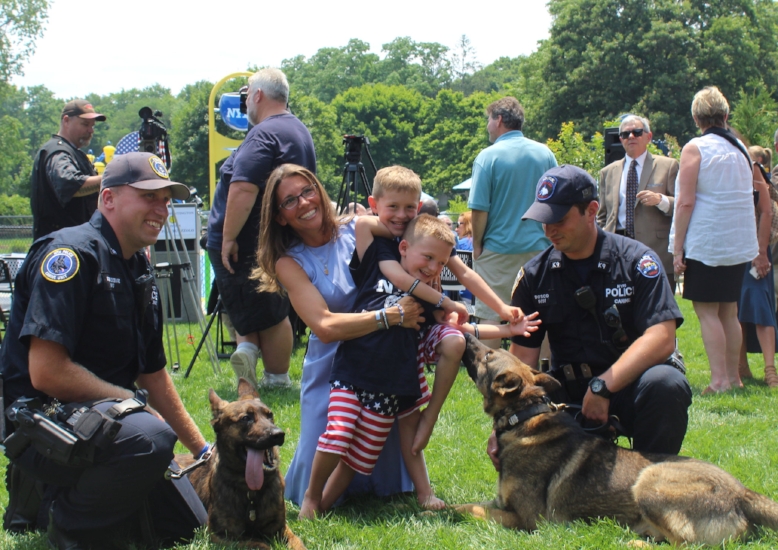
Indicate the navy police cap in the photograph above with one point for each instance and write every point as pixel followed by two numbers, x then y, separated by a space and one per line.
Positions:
pixel 558 189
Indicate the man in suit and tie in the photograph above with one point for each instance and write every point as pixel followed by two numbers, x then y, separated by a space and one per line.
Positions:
pixel 637 193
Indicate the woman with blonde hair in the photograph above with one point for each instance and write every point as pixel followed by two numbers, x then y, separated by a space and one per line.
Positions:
pixel 713 235
pixel 465 231
pixel 304 250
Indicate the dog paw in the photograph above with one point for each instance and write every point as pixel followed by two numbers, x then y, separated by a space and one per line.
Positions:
pixel 639 544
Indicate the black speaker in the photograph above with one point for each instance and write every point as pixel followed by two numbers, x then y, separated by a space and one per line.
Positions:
pixel 614 150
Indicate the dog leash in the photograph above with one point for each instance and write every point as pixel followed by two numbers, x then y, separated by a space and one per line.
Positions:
pixel 602 430
pixel 178 474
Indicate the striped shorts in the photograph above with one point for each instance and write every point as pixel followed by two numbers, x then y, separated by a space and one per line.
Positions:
pixel 358 423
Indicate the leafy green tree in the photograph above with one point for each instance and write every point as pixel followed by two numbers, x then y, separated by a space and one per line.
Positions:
pixel 421 66
pixel 451 134
pixel 607 57
pixel 15 205
pixel 321 120
pixel 15 162
pixel 755 115
pixel 189 137
pixel 570 147
pixel 331 71
pixel 21 23
pixel 41 117
pixel 464 63
pixel 388 115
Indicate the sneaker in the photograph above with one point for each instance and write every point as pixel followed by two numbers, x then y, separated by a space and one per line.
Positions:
pixel 275 380
pixel 244 363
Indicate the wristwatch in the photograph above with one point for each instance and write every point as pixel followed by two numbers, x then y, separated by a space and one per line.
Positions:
pixel 598 387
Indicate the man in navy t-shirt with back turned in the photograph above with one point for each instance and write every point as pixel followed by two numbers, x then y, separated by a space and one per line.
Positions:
pixel 261 319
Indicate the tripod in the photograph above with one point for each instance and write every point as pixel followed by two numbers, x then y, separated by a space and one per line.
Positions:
pixel 189 286
pixel 354 171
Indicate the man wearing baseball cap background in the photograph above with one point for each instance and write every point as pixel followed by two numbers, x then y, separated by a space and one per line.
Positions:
pixel 610 316
pixel 86 326
pixel 64 183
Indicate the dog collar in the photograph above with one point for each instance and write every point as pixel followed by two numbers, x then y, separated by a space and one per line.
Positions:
pixel 508 422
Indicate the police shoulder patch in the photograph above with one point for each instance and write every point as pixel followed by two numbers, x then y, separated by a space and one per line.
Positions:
pixel 648 266
pixel 519 277
pixel 60 265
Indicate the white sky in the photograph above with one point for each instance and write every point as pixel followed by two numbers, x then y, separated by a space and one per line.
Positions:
pixel 138 43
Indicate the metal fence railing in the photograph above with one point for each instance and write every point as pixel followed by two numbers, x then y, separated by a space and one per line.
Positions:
pixel 15 234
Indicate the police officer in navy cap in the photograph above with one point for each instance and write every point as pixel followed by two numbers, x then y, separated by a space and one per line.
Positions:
pixel 610 316
pixel 86 327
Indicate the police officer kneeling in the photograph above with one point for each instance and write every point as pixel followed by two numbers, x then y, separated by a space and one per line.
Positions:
pixel 610 316
pixel 86 327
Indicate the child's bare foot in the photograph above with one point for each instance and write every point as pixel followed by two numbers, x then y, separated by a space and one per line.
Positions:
pixel 424 431
pixel 431 502
pixel 309 509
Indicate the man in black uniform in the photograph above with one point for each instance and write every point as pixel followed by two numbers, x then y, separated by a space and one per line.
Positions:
pixel 86 326
pixel 610 316
pixel 64 183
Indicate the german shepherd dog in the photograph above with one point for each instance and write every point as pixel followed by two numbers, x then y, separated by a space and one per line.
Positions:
pixel 551 468
pixel 241 485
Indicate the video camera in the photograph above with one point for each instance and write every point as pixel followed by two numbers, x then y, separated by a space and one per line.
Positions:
pixel 152 135
pixel 353 145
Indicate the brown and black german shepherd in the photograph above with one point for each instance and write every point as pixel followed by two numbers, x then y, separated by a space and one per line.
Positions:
pixel 241 485
pixel 550 468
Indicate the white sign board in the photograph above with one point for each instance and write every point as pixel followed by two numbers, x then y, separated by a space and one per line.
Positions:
pixel 185 218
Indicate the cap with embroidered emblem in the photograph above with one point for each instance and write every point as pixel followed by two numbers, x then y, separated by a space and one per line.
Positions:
pixel 558 189
pixel 142 171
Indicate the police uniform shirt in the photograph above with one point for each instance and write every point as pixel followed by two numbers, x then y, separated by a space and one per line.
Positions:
pixel 624 273
pixel 77 290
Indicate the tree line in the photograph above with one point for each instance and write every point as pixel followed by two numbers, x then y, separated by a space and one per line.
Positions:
pixel 421 104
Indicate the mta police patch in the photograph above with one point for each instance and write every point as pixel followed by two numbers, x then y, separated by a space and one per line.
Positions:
pixel 546 188
pixel 648 267
pixel 59 265
pixel 159 167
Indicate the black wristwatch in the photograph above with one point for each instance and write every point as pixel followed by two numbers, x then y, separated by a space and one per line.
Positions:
pixel 598 387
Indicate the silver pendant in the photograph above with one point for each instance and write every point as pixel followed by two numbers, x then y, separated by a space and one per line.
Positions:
pixel 252 515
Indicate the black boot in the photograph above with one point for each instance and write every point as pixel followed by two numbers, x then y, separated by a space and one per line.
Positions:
pixel 24 500
pixel 59 539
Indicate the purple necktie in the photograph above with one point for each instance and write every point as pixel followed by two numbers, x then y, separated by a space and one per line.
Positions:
pixel 632 191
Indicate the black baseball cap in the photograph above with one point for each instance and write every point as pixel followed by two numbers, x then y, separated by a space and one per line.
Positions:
pixel 558 189
pixel 142 171
pixel 82 109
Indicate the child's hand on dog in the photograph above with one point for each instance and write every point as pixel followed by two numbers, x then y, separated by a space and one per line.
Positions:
pixel 528 323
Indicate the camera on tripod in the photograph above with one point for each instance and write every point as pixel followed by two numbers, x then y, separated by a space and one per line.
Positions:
pixel 353 145
pixel 152 135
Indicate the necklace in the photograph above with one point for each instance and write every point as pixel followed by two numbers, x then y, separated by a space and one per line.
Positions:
pixel 323 262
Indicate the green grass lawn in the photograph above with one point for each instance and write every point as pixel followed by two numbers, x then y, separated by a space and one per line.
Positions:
pixel 735 431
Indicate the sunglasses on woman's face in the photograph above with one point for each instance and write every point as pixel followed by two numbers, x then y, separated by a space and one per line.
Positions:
pixel 637 132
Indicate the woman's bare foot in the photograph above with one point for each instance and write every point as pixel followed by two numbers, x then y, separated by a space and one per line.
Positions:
pixel 309 509
pixel 423 433
pixel 431 502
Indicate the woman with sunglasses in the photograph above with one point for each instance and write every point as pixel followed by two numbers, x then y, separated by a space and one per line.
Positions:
pixel 713 236
pixel 465 231
pixel 305 250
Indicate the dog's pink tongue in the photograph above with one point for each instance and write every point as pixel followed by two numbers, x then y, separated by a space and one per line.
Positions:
pixel 255 474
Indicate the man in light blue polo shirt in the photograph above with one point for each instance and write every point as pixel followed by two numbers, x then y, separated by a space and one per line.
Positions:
pixel 505 175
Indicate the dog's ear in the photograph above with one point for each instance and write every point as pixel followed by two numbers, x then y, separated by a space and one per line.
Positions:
pixel 546 381
pixel 216 403
pixel 507 382
pixel 246 390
